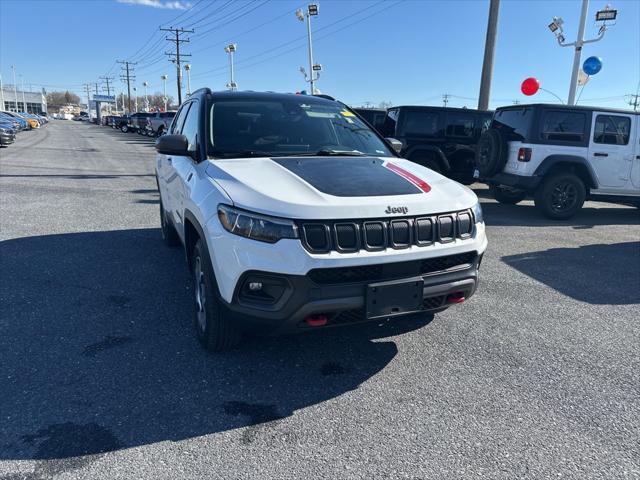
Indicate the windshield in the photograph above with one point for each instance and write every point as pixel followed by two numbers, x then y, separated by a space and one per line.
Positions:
pixel 290 127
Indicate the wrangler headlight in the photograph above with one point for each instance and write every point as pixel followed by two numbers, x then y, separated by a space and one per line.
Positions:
pixel 255 225
pixel 477 213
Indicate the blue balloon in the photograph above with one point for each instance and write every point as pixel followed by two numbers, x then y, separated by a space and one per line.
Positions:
pixel 592 65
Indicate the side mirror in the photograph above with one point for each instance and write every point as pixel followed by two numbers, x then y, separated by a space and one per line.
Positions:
pixel 395 144
pixel 173 145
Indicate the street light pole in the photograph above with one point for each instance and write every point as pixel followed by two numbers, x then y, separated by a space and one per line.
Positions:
pixel 187 67
pixel 489 53
pixel 312 10
pixel 15 87
pixel 231 49
pixel 2 106
pixel 164 81
pixel 555 26
pixel 146 97
pixel 24 102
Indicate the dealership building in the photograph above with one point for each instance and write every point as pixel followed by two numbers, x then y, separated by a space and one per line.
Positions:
pixel 21 101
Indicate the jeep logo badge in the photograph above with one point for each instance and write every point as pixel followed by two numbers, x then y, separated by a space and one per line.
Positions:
pixel 390 210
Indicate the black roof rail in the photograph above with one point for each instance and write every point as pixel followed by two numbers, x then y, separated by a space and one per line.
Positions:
pixel 322 95
pixel 202 91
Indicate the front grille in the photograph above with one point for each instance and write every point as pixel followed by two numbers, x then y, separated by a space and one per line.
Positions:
pixel 390 271
pixel 346 236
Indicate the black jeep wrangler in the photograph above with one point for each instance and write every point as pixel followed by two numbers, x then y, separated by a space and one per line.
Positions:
pixel 442 139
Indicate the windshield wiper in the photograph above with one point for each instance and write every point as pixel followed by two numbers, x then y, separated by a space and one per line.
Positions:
pixel 329 153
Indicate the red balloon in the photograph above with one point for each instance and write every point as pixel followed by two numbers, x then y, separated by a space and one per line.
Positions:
pixel 530 86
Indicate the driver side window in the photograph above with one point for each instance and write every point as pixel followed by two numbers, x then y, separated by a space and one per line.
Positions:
pixel 190 127
pixel 176 126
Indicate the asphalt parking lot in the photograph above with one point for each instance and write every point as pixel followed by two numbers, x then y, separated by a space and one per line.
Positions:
pixel 101 377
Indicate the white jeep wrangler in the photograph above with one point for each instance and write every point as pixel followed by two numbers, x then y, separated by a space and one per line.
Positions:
pixel 295 215
pixel 561 155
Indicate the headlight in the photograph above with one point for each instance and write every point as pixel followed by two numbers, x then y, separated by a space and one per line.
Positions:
pixel 477 213
pixel 255 226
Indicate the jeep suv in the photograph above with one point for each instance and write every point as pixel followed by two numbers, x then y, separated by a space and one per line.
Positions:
pixel 442 139
pixel 295 215
pixel 561 155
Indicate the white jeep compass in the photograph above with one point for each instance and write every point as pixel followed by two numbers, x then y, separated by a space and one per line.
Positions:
pixel 294 215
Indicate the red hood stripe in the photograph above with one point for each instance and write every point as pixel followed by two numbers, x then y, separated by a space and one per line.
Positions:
pixel 417 181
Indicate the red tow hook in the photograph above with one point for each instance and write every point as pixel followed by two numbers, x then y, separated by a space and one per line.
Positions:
pixel 457 297
pixel 317 320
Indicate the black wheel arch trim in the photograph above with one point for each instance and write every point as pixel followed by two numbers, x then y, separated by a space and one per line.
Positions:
pixel 552 160
pixel 190 216
pixel 414 151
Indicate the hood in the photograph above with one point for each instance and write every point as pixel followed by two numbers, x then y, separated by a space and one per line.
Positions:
pixel 315 188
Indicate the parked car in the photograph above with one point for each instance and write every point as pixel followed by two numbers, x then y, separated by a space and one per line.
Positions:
pixel 159 123
pixel 562 155
pixel 295 215
pixel 121 123
pixel 442 139
pixel 374 116
pixel 138 122
pixel 7 134
pixel 17 123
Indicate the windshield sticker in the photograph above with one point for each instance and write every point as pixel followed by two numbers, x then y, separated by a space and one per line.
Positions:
pixel 346 113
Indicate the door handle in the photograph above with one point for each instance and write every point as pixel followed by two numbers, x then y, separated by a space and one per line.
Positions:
pixel 600 154
pixel 637 157
pixel 169 159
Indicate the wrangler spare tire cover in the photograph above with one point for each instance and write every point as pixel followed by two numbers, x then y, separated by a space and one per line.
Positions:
pixel 491 152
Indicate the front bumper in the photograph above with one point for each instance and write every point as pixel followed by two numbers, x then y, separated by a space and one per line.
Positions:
pixel 342 304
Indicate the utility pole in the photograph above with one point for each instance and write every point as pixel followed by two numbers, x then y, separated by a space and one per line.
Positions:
pixel 177 55
pixel 108 90
pixel 489 53
pixel 634 101
pixel 127 69
pixel 604 15
pixel 87 86
pixel 445 99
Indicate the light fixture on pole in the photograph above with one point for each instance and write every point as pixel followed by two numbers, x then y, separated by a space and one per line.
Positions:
pixel 231 49
pixel 164 82
pixel 187 67
pixel 146 97
pixel 24 102
pixel 605 15
pixel 312 10
pixel 135 96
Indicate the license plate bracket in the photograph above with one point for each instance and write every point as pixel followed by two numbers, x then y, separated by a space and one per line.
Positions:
pixel 397 297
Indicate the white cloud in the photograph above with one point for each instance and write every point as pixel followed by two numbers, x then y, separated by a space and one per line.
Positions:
pixel 170 4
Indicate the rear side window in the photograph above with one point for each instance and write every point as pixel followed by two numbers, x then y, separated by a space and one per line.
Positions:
pixel 563 126
pixel 612 130
pixel 390 121
pixel 459 125
pixel 424 124
pixel 514 123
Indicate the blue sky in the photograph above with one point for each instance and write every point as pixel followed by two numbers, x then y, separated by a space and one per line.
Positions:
pixel 405 52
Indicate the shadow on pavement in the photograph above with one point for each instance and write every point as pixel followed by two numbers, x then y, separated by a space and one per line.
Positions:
pixel 98 354
pixel 597 274
pixel 527 215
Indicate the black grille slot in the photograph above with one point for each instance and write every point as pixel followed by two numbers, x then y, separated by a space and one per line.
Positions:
pixel 446 228
pixel 348 316
pixel 400 233
pixel 347 237
pixel 390 271
pixel 375 235
pixel 378 234
pixel 465 225
pixel 316 236
pixel 424 231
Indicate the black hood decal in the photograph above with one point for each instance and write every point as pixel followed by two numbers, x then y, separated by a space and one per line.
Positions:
pixel 349 176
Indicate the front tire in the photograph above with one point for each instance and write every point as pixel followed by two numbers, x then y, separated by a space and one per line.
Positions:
pixel 560 196
pixel 124 128
pixel 214 327
pixel 508 197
